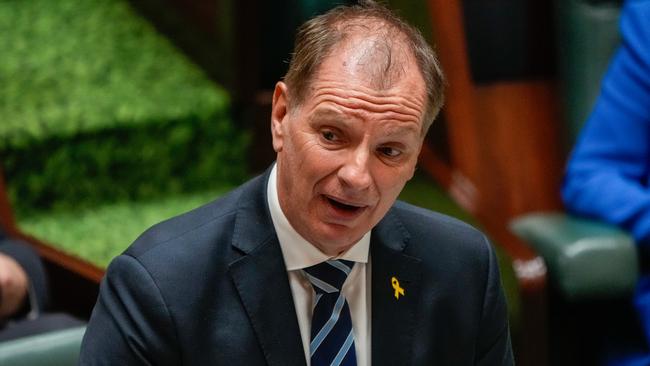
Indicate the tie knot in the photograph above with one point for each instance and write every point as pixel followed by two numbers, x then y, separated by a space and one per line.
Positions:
pixel 329 276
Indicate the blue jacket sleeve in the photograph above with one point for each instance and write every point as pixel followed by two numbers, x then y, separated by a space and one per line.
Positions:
pixel 608 174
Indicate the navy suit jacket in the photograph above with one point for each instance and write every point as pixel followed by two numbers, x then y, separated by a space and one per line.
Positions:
pixel 210 288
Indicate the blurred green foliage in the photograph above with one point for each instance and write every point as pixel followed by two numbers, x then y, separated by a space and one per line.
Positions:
pixel 97 107
pixel 142 162
pixel 70 66
pixel 101 233
pixel 106 127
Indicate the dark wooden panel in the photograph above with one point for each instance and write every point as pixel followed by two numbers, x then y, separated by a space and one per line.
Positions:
pixel 519 127
pixel 503 162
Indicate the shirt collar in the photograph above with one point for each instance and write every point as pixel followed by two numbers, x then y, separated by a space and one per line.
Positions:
pixel 298 253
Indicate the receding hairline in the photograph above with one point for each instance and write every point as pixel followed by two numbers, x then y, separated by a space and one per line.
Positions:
pixel 323 35
pixel 369 27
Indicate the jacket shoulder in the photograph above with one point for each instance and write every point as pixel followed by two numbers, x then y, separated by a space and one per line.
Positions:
pixel 420 221
pixel 443 240
pixel 207 224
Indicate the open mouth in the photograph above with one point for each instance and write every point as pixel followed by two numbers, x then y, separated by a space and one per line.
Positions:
pixel 343 206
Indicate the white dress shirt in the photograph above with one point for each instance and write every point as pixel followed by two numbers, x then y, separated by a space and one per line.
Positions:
pixel 298 253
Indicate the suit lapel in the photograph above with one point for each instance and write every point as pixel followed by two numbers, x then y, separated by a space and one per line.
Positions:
pixel 393 319
pixel 262 282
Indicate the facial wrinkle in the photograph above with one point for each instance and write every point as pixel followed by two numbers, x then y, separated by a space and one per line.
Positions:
pixel 376 101
pixel 414 97
pixel 377 104
pixel 364 114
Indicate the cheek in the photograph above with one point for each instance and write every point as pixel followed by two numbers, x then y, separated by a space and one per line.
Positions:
pixel 311 164
pixel 391 181
pixel 315 161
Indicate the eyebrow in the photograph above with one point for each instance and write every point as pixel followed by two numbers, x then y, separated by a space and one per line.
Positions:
pixel 327 114
pixel 404 129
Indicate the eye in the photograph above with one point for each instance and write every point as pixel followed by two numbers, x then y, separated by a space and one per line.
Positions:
pixel 389 151
pixel 331 136
pixel 328 135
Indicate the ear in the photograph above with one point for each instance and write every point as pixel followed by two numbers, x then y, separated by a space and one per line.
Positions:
pixel 279 114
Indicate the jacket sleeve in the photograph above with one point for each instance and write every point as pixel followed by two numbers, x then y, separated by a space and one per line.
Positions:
pixel 493 345
pixel 31 263
pixel 130 324
pixel 607 175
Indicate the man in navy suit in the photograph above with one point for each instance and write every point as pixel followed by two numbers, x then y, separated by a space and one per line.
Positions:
pixel 247 279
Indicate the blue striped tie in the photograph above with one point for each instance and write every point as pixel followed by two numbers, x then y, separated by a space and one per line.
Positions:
pixel 332 339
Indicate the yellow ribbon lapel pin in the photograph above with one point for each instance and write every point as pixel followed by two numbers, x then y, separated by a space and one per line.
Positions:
pixel 398 290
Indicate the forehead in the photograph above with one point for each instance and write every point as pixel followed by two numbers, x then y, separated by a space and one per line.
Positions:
pixel 365 73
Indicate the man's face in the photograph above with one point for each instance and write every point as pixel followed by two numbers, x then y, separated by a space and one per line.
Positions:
pixel 346 152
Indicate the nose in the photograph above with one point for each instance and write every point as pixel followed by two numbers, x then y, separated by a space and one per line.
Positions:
pixel 355 172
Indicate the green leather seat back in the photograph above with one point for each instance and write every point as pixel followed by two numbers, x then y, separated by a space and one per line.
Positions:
pixel 58 348
pixel 587 36
pixel 586 259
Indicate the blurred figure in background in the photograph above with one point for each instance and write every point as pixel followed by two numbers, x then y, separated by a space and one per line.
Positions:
pixel 23 287
pixel 609 170
pixel 24 294
pixel 13 285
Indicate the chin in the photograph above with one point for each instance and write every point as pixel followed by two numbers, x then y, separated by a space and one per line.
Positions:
pixel 333 249
pixel 336 238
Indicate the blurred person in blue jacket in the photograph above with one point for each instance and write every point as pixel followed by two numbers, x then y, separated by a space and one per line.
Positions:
pixel 608 174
